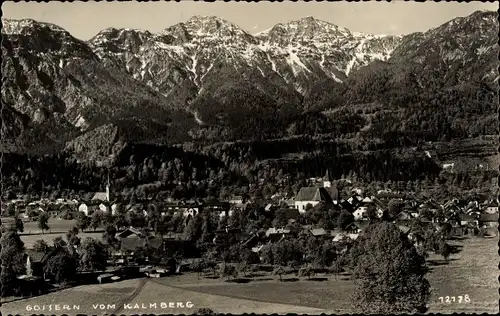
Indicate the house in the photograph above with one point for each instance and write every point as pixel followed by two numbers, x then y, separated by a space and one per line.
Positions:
pixel 115 207
pixel 276 234
pixel 131 239
pixel 131 232
pixel 257 249
pixel 53 210
pixel 67 211
pixel 467 219
pixel 35 261
pixel 404 229
pixel 491 207
pixel 352 228
pixel 253 241
pixel 318 232
pixel 452 206
pixel 88 208
pixel 488 220
pixel 343 237
pixel 355 200
pixel 388 195
pixel 403 216
pixel 236 199
pixel 361 209
pixel 268 207
pixel 314 195
pixel 430 206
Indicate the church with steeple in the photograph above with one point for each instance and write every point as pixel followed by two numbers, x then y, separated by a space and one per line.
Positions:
pixel 327 183
pixel 104 196
pixel 313 195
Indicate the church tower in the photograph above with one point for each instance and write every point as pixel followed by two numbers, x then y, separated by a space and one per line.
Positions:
pixel 108 190
pixel 326 180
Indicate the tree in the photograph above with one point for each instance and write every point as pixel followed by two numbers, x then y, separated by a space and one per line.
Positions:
pixel 336 268
pixel 96 220
pixel 345 219
pixel 58 242
pixel 371 212
pixel 60 266
pixel 93 255
pixel 228 271
pixel 120 220
pixel 306 271
pixel 447 230
pixel 109 236
pixel 198 265
pixel 72 236
pixel 11 261
pixel 41 246
pixel 394 207
pixel 83 221
pixel 43 220
pixel 280 220
pixel 18 224
pixel 444 249
pixel 279 270
pixel 389 272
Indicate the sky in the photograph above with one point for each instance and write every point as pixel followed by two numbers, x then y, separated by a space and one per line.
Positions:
pixel 85 19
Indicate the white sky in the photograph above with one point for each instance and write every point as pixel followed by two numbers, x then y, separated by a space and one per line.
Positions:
pixel 85 19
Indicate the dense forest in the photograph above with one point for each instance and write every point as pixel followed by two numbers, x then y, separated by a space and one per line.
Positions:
pixel 242 168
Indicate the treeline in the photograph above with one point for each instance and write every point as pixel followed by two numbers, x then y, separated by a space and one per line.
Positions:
pixel 219 171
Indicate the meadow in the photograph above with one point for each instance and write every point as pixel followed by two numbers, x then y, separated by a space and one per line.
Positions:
pixel 471 271
pixel 29 240
pixel 56 225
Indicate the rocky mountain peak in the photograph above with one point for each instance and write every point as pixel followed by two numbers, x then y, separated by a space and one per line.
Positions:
pixel 303 30
pixel 28 27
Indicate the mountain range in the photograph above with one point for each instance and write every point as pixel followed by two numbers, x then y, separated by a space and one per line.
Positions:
pixel 207 80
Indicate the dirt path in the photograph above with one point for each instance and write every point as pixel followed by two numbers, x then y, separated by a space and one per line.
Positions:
pixel 155 291
pixel 131 297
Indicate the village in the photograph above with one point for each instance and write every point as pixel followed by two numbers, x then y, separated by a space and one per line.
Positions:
pixel 309 213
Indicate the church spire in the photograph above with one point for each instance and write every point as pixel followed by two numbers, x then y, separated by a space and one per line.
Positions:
pixel 108 190
pixel 326 180
pixel 327 176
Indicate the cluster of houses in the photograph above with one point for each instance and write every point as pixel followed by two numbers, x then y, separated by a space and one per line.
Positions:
pixel 463 216
pixel 459 213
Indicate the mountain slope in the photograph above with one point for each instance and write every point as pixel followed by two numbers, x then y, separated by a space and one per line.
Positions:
pixel 47 89
pixel 207 80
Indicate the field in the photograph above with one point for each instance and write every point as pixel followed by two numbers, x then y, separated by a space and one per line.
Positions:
pixel 55 225
pixel 83 296
pixel 472 271
pixel 58 228
pixel 330 296
pixel 29 240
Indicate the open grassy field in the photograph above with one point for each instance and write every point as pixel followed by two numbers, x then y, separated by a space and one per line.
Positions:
pixel 83 296
pixel 55 225
pixel 29 240
pixel 472 271
pixel 155 291
pixel 332 295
